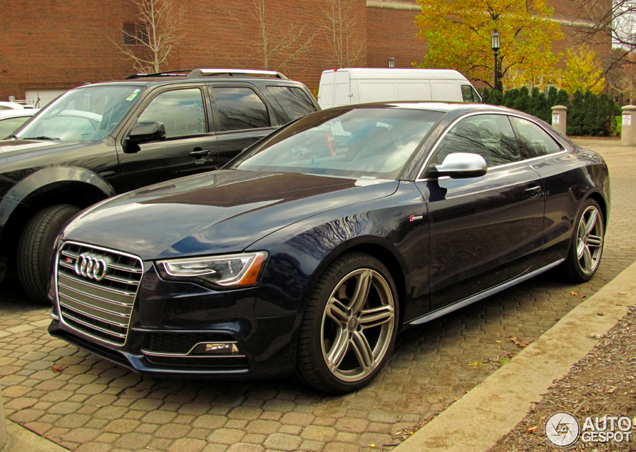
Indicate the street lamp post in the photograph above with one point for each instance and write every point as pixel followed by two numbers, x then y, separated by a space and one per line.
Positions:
pixel 495 43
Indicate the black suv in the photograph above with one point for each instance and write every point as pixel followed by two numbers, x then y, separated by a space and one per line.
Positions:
pixel 102 139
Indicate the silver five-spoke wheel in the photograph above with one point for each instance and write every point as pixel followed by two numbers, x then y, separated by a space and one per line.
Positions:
pixel 586 246
pixel 349 325
pixel 357 325
pixel 590 240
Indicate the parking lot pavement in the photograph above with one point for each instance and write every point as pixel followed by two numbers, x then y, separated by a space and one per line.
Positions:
pixel 85 403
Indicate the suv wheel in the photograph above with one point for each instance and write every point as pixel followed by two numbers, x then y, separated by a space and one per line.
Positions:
pixel 36 247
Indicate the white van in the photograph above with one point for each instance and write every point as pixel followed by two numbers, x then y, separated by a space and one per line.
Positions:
pixel 360 85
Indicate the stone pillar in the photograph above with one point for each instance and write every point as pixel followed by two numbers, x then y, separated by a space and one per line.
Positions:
pixel 4 436
pixel 628 127
pixel 560 118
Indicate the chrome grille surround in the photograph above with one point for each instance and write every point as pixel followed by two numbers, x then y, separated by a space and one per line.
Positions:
pixel 99 308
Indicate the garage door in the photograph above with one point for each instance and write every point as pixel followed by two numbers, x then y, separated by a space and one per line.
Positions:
pixel 41 97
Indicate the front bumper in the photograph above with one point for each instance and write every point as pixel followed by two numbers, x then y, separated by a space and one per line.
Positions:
pixel 182 329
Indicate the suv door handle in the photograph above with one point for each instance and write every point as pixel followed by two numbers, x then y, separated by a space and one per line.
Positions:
pixel 199 153
pixel 533 191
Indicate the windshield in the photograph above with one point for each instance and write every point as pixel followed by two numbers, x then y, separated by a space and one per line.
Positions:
pixel 85 114
pixel 364 142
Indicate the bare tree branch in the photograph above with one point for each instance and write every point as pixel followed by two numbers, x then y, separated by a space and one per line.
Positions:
pixel 277 47
pixel 341 29
pixel 163 24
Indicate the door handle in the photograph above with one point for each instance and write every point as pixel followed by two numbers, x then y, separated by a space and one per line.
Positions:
pixel 533 191
pixel 199 153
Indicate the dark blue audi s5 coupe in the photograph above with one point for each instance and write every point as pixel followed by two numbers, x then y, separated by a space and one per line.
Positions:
pixel 314 247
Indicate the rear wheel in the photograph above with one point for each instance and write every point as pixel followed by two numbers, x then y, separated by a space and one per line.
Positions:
pixel 586 248
pixel 349 326
pixel 35 248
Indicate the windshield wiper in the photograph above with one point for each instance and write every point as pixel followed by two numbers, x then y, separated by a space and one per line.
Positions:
pixel 41 137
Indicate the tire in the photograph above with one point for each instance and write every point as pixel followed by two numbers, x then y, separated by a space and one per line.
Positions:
pixel 349 326
pixel 35 248
pixel 586 246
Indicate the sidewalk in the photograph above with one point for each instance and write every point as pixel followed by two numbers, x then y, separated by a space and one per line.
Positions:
pixel 489 411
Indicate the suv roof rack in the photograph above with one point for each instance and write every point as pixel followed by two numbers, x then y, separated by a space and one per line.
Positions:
pixel 206 72
pixel 232 72
pixel 182 72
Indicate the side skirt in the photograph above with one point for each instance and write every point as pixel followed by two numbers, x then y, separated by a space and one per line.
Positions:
pixel 480 296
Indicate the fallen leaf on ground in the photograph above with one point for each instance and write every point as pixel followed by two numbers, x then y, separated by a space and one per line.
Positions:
pixel 532 429
pixel 573 293
pixel 519 342
pixel 55 368
pixel 475 364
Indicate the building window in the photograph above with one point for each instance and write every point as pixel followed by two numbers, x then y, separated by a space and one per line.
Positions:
pixel 135 34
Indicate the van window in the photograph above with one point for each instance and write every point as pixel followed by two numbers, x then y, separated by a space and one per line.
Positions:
pixel 470 95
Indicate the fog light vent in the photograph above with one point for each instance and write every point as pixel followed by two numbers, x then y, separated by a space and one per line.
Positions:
pixel 215 348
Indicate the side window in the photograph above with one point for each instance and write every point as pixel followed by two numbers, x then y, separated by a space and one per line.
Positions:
pixel 294 101
pixel 533 140
pixel 240 108
pixel 490 136
pixel 181 112
pixel 469 94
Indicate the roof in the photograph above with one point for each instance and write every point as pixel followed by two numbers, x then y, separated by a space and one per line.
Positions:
pixel 393 73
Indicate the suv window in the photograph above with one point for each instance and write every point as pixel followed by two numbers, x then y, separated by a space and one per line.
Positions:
pixel 533 140
pixel 84 114
pixel 240 108
pixel 294 101
pixel 181 112
pixel 490 136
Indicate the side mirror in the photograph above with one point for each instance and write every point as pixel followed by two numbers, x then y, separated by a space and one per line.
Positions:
pixel 144 132
pixel 461 165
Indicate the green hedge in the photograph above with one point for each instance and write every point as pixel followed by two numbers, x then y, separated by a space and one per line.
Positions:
pixel 588 114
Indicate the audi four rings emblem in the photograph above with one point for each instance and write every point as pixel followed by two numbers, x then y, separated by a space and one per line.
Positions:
pixel 91 267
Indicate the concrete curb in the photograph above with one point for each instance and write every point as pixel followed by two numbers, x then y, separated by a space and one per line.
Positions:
pixel 23 440
pixel 490 410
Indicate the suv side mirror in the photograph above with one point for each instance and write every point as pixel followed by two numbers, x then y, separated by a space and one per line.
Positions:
pixel 144 132
pixel 461 165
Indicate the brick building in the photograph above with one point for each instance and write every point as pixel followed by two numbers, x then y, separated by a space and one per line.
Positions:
pixel 51 45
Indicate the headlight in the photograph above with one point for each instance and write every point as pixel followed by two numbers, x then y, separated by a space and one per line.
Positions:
pixel 238 270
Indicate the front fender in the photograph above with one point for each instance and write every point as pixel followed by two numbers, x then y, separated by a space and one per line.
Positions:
pixel 300 253
pixel 30 188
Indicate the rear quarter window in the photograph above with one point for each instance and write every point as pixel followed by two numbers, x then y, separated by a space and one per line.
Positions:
pixel 294 101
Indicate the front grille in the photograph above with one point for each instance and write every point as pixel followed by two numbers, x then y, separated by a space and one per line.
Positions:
pixel 99 304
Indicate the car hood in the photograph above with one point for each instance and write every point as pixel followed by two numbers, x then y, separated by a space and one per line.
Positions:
pixel 217 212
pixel 18 147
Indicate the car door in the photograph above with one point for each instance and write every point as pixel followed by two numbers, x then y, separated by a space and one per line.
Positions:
pixel 483 230
pixel 559 174
pixel 189 146
pixel 242 118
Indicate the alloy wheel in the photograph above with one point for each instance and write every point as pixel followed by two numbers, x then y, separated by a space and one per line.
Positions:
pixel 357 325
pixel 590 240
